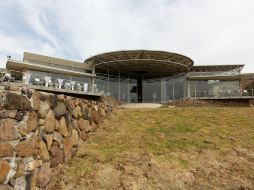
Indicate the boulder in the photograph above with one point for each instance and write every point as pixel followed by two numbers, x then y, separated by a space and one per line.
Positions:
pixel 43 151
pixel 57 137
pixel 84 135
pixel 56 156
pixel 4 170
pixel 8 131
pixel 31 181
pixel 17 102
pixel 27 147
pixel 76 112
pixel 20 115
pixel 67 148
pixel 60 110
pixel 50 122
pixel 52 101
pixel 70 104
pixel 61 97
pixel 32 165
pixel 30 125
pixel 6 149
pixel 102 112
pixel 83 124
pixel 57 125
pixel 8 114
pixel 95 107
pixel 74 137
pixel 94 117
pixel 20 171
pixel 48 139
pixel 43 110
pixel 41 122
pixel 6 187
pixel 44 175
pixel 36 100
pixel 63 127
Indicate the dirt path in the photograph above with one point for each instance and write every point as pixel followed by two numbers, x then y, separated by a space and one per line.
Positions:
pixel 179 148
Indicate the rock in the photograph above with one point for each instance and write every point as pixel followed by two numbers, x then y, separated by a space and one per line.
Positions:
pixel 41 122
pixel 20 115
pixel 43 110
pixel 17 102
pixel 4 170
pixel 76 112
pixel 50 122
pixel 70 104
pixel 12 182
pixel 56 156
pixel 14 88
pixel 6 187
pixel 84 135
pixel 31 181
pixel 60 110
pixel 43 151
pixel 62 127
pixel 68 149
pixel 36 100
pixel 20 183
pixel 8 131
pixel 52 100
pixel 8 114
pixel 20 171
pixel 83 124
pixel 74 137
pixel 49 140
pixel 94 117
pixel 30 125
pixel 6 149
pixel 95 107
pixel 93 126
pixel 61 97
pixel 27 147
pixel 44 175
pixel 102 112
pixel 68 120
pixel 57 125
pixel 57 137
pixel 31 166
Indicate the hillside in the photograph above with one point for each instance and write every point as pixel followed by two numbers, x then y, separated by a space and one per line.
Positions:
pixel 177 148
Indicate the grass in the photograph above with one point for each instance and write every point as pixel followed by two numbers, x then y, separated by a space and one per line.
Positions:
pixel 167 135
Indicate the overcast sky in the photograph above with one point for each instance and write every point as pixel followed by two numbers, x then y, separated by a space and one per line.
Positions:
pixel 208 31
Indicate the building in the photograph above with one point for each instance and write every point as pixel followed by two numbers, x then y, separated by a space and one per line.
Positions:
pixel 134 76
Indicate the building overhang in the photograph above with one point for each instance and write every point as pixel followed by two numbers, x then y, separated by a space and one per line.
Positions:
pixel 149 64
pixel 217 77
pixel 14 65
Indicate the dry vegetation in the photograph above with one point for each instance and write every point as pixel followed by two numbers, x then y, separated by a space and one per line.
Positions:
pixel 177 148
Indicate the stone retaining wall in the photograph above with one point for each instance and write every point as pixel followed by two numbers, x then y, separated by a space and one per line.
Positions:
pixel 40 131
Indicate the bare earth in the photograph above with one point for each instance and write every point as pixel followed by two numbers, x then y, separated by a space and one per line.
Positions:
pixel 166 148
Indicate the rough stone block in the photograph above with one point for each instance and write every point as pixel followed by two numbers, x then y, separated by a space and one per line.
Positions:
pixel 8 131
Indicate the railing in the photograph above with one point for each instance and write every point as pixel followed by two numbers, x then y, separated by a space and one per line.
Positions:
pixel 246 93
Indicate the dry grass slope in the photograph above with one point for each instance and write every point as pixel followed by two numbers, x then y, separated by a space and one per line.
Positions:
pixel 178 148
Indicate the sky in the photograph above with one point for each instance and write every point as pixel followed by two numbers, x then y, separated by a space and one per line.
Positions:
pixel 210 32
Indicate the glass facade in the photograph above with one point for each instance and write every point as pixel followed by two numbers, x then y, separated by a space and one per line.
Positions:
pixel 55 80
pixel 164 89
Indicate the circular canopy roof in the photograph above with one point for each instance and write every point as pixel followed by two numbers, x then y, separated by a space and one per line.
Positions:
pixel 150 64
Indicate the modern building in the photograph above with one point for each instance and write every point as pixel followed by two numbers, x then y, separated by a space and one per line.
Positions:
pixel 134 76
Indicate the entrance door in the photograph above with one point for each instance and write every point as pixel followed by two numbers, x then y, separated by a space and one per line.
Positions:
pixel 139 89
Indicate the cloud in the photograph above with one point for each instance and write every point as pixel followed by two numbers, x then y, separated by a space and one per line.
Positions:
pixel 210 32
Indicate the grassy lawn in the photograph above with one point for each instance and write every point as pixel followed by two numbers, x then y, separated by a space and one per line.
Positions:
pixel 167 148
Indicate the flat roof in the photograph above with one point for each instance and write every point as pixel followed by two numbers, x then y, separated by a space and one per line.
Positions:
pixel 146 62
pixel 214 68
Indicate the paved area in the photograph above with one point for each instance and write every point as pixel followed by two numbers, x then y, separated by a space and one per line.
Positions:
pixel 140 105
